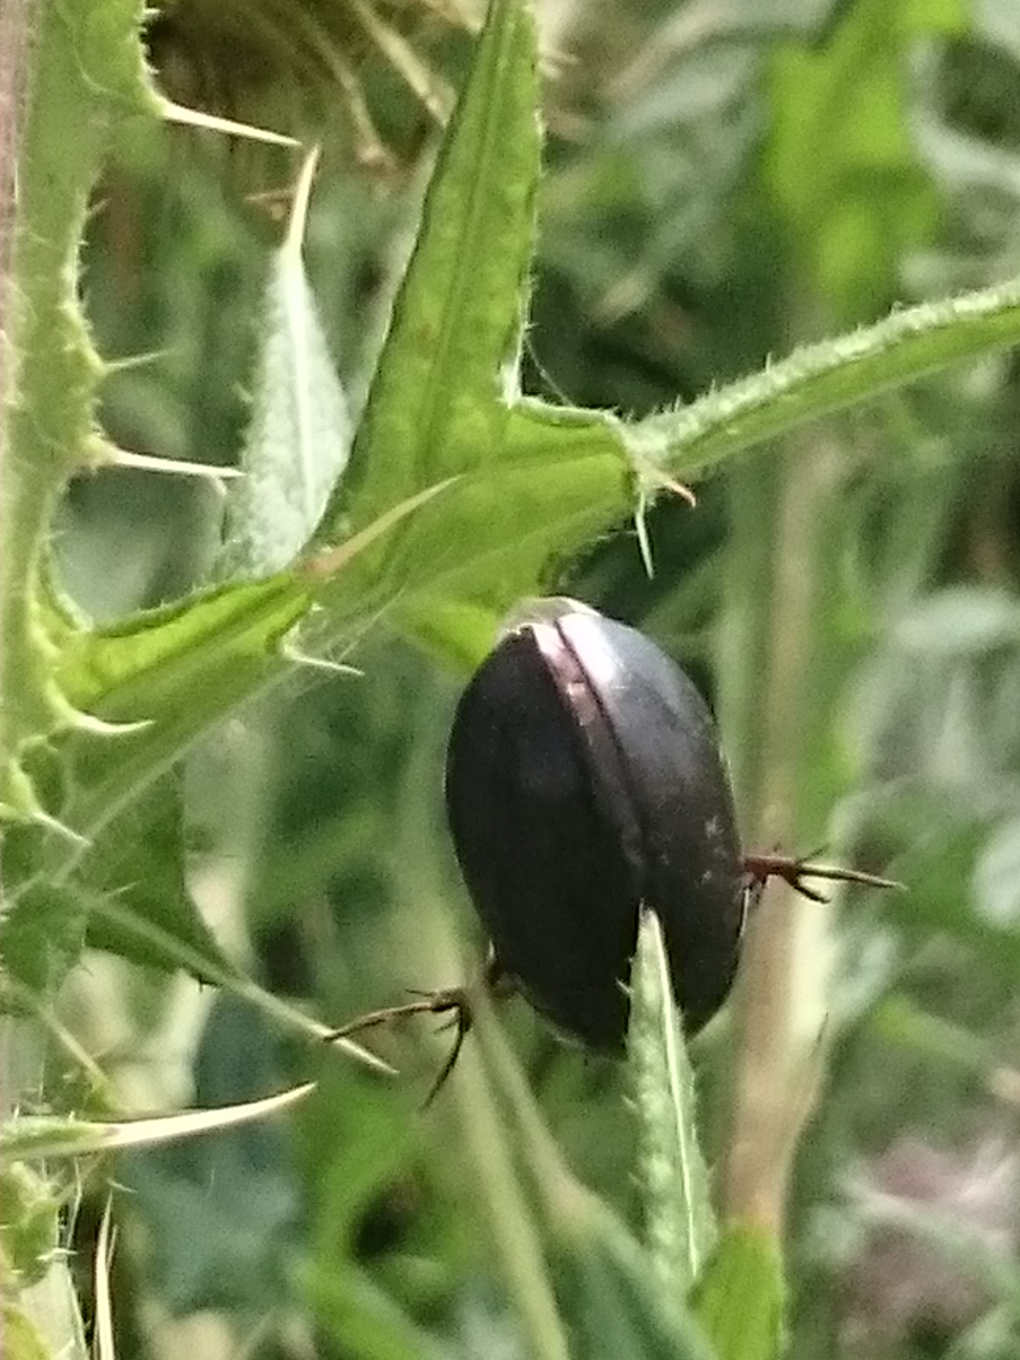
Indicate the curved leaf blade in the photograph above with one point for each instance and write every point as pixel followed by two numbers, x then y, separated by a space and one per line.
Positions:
pixel 680 1225
pixel 820 379
pixel 36 1138
pixel 439 399
pixel 299 434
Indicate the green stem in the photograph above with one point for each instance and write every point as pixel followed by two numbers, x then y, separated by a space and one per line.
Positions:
pixel 775 1065
pixel 50 387
pixel 67 69
pixel 481 1128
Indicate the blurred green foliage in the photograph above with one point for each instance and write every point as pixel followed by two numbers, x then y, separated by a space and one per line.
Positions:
pixel 723 182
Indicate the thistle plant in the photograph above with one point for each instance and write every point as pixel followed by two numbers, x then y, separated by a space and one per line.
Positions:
pixel 446 500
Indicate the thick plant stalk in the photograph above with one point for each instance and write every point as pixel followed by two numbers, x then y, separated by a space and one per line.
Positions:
pixel 16 18
pixel 15 22
pixel 15 30
pixel 784 973
pixel 487 1149
pixel 67 70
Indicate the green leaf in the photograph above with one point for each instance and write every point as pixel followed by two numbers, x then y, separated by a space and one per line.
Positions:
pixel 21 1339
pixel 299 434
pixel 612 1300
pixel 29 1224
pixel 87 70
pixel 40 1137
pixel 139 862
pixel 496 535
pixel 841 160
pixel 41 936
pixel 820 379
pixel 679 1222
pixel 351 1305
pixel 130 670
pixel 440 397
pixel 104 41
pixel 608 1292
pixel 739 1298
pixel 174 672
pixel 42 928
pixel 169 674
pixel 536 481
pixel 506 532
pixel 128 891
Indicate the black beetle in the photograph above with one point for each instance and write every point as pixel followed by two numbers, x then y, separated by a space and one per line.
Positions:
pixel 584 778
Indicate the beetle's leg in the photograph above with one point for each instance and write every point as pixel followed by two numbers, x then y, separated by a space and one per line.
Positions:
pixel 427 1003
pixel 462 1020
pixel 754 890
pixel 446 999
pixel 793 870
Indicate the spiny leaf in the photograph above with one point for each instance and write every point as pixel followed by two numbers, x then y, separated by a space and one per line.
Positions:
pixel 614 1302
pixel 88 70
pixel 820 379
pixel 439 398
pixel 29 1223
pixel 299 434
pixel 535 481
pixel 36 1138
pixel 679 1222
pixel 139 862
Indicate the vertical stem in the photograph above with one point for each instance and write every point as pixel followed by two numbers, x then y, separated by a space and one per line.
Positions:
pixel 481 1130
pixel 15 16
pixel 15 27
pixel 16 31
pixel 15 35
pixel 54 116
pixel 781 995
pixel 744 634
